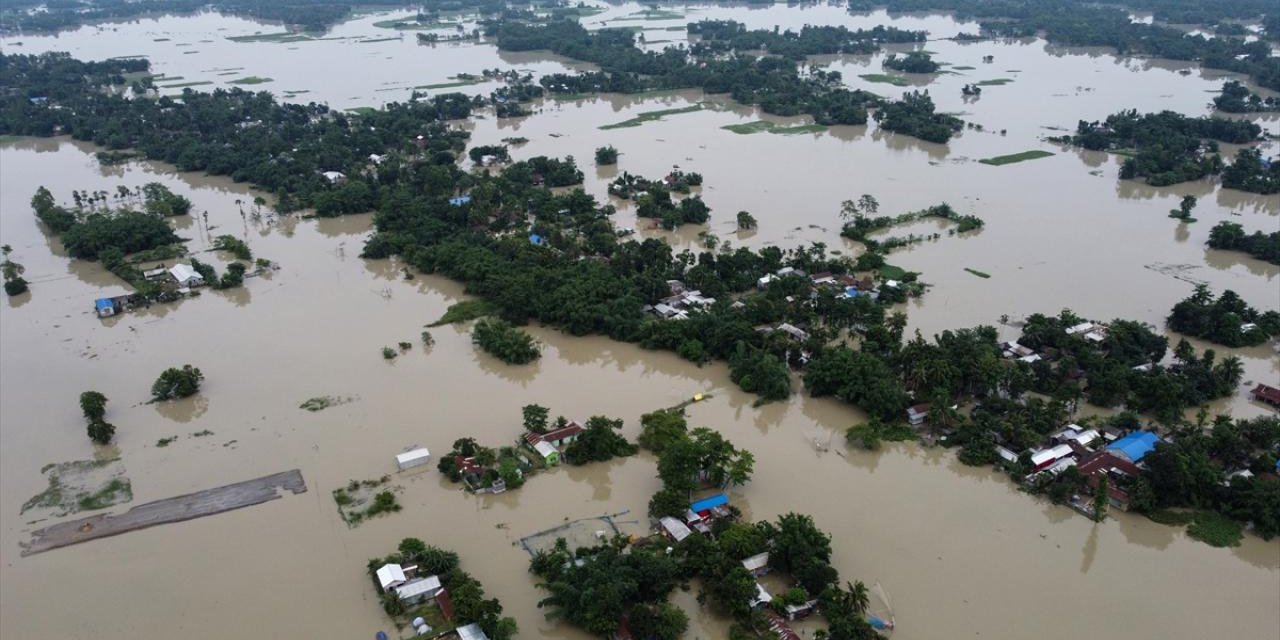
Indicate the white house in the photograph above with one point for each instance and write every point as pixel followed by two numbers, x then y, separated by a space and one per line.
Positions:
pixel 674 528
pixel 471 632
pixel 390 576
pixel 185 275
pixel 757 564
pixel 410 459
pixel 334 177
pixel 419 590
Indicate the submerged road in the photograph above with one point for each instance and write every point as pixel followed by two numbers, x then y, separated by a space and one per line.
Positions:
pixel 185 507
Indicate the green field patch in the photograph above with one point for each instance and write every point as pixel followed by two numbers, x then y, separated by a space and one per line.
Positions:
pixel 975 272
pixel 994 83
pixel 250 80
pixel 652 115
pixel 413 25
pixel 81 485
pixel 161 39
pixel 759 126
pixel 228 73
pixel 892 272
pixel 1016 157
pixel 963 68
pixel 464 311
pixel 651 14
pixel 897 81
pixel 450 85
pixel 283 36
pixel 186 84
pixel 134 57
pixel 372 40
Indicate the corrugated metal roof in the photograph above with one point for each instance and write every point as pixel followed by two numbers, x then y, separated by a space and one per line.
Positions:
pixel 1135 445
pixel 706 504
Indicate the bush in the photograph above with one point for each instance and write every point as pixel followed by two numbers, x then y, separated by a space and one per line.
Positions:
pixel 15 286
pixel 93 404
pixel 101 431
pixel 505 342
pixel 606 155
pixel 177 383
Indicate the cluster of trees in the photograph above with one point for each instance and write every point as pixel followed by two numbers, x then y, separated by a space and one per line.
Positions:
pixel 599 442
pixel 94 406
pixel 14 283
pixel 725 36
pixel 1230 236
pixel 599 588
pixel 915 116
pixel 465 592
pixel 1237 98
pixel 505 342
pixel 606 155
pixel 688 460
pixel 1082 23
pixel 1164 148
pixel 176 383
pixel 88 236
pixel 1251 172
pixel 912 62
pixel 1222 320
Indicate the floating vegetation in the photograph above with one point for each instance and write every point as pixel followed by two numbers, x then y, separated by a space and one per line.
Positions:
pixel 164 442
pixel 81 485
pixel 186 84
pixel 251 80
pixel 361 500
pixel 652 14
pixel 652 115
pixel 373 40
pixel 1011 158
pixel 320 403
pixel 413 25
pixel 963 68
pixel 975 272
pixel 759 126
pixel 283 36
pixel 450 85
pixel 994 83
pixel 202 434
pixel 897 81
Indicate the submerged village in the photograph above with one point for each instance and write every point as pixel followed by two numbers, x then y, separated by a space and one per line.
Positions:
pixel 682 320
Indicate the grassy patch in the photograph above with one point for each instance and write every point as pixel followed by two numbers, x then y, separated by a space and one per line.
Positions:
pixel 363 499
pixel 464 311
pixel 202 434
pixel 652 115
pixel 373 40
pixel 283 36
pixel 1016 157
pixel 891 272
pixel 897 81
pixel 450 85
pixel 164 442
pixel 770 127
pixel 963 68
pixel 185 84
pixel 360 111
pixel 975 272
pixel 250 80
pixel 320 403
pixel 116 491
pixel 413 25
pixel 1215 529
pixel 994 83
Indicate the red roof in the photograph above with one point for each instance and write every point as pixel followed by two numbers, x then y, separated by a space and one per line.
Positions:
pixel 780 626
pixel 1104 461
pixel 467 465
pixel 445 604
pixel 1267 393
pixel 569 431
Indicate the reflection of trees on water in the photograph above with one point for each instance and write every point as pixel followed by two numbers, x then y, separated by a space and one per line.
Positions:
pixel 183 409
pixel 521 374
pixel 1226 260
pixel 238 296
pixel 1251 202
pixel 1135 190
pixel 1090 551
pixel 597 474
pixel 20 299
pixel 1181 232
pixel 899 142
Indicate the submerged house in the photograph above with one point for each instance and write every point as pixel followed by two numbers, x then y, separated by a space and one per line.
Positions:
pixel 419 590
pixel 104 307
pixel 917 414
pixel 1266 394
pixel 674 529
pixel 186 276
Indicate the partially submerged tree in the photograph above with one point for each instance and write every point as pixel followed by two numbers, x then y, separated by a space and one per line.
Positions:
pixel 177 383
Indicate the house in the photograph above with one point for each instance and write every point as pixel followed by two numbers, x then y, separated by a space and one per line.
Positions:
pixel 376 159
pixel 819 279
pixel 390 576
pixel 794 332
pixel 1006 454
pixel 158 273
pixel 104 307
pixel 467 465
pixel 762 597
pixel 758 564
pixel 419 590
pixel 1134 446
pixel 471 632
pixel 1248 326
pixel 563 436
pixel 411 459
pixel 707 506
pixel 1267 394
pixel 1045 458
pixel 185 275
pixel 916 414
pixel 536 240
pixel 458 201
pixel 1014 350
pixel 674 529
pixel 798 611
pixel 550 456
pixel 335 177
pixel 789 271
pixel 763 282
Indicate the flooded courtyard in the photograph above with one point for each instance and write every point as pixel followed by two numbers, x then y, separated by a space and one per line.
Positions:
pixel 961 550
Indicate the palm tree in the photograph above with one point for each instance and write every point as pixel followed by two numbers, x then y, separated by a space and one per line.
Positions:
pixel 859 597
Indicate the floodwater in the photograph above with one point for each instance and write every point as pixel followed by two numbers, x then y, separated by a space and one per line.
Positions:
pixel 962 553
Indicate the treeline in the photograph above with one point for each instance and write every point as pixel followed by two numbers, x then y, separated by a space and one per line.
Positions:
pixel 1230 236
pixel 1082 23
pixel 1164 148
pixel 1251 172
pixel 726 36
pixel 773 82
pixel 89 236
pixel 912 62
pixel 1237 98
pixel 282 148
pixel 916 116
pixel 1227 320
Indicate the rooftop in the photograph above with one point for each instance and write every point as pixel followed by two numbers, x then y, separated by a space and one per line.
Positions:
pixel 1134 446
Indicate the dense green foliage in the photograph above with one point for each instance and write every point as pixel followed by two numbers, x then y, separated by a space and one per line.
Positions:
pixel 88 236
pixel 913 62
pixel 101 431
pixel 177 383
pixel 1165 148
pixel 1230 236
pixel 1222 320
pixel 915 116
pixel 505 342
pixel 606 155
pixel 466 593
pixel 1237 98
pixel 1251 172
pixel 93 404
pixel 599 442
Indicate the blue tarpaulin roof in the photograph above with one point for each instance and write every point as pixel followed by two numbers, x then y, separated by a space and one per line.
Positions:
pixel 707 504
pixel 1135 445
pixel 535 239
pixel 103 303
pixel 459 200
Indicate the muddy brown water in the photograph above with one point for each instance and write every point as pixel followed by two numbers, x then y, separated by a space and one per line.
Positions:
pixel 961 552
